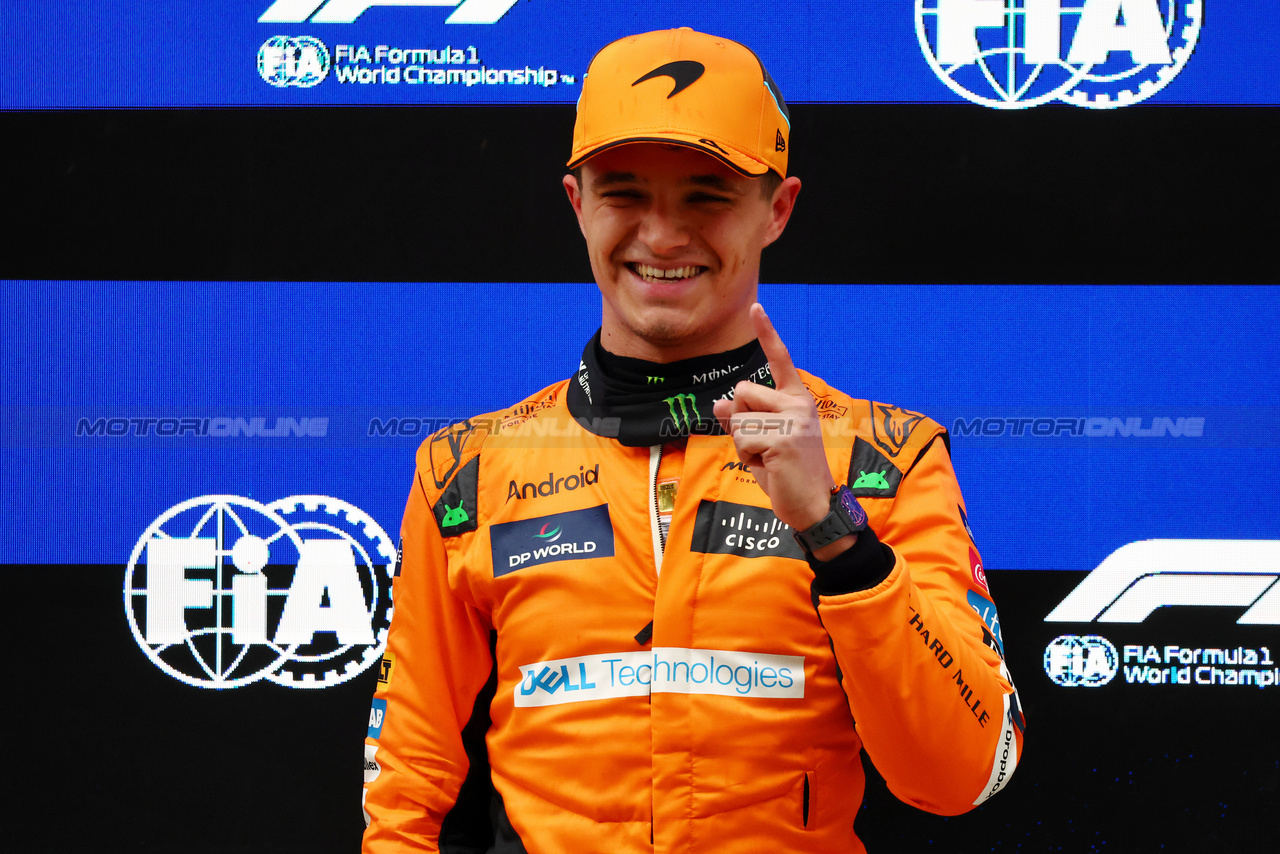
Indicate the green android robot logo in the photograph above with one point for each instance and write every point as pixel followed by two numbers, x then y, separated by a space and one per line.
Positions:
pixel 453 516
pixel 874 480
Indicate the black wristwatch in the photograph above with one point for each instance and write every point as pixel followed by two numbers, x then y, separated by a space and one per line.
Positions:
pixel 846 517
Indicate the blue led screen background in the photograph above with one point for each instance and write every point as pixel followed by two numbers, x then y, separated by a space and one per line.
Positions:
pixel 221 287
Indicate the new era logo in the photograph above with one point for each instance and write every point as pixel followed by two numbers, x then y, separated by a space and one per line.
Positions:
pixel 779 144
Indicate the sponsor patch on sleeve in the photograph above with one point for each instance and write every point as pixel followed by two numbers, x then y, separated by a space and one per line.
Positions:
pixel 871 474
pixel 377 715
pixel 964 518
pixel 371 767
pixel 1006 756
pixel 456 508
pixel 991 621
pixel 385 666
pixel 975 568
pixel 892 426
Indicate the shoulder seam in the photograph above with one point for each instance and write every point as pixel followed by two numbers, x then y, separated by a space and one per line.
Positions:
pixel 946 441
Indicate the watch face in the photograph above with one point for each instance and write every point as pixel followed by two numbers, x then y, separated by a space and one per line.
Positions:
pixel 852 507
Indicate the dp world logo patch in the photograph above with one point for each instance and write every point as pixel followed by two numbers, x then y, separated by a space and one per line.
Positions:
pixel 300 61
pixel 1013 54
pixel 576 535
pixel 222 591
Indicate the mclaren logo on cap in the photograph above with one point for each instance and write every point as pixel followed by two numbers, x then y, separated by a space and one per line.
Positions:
pixel 684 72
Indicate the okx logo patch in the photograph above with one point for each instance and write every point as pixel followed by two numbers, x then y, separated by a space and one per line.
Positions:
pixel 576 535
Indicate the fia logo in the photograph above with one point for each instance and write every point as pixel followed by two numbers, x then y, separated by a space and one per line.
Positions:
pixel 1013 54
pixel 1073 661
pixel 223 591
pixel 301 61
pixel 346 11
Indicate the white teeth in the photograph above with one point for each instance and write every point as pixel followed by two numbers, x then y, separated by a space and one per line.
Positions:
pixel 677 273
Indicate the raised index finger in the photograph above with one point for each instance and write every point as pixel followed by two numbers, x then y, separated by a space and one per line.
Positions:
pixel 785 376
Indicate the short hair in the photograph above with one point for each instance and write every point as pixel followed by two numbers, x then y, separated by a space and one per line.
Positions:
pixel 769 183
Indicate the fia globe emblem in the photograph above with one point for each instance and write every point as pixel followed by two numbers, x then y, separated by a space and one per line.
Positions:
pixel 222 591
pixel 1014 54
pixel 1073 661
pixel 300 61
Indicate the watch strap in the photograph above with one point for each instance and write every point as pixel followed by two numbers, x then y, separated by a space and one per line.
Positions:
pixel 845 517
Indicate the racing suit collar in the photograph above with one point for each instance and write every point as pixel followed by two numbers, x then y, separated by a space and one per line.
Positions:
pixel 652 403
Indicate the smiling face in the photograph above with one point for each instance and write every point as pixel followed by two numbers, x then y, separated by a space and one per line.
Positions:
pixel 674 237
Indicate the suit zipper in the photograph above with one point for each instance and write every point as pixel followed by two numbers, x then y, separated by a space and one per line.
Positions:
pixel 659 541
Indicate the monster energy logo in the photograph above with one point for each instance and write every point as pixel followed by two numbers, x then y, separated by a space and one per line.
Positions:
pixel 681 405
pixel 656 380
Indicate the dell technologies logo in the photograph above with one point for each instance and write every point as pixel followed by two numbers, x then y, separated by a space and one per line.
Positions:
pixel 1013 54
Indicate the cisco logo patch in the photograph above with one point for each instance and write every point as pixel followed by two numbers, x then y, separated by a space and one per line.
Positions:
pixel 722 527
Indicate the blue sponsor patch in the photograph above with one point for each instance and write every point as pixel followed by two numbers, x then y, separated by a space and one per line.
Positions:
pixel 964 517
pixel 576 535
pixel 987 611
pixel 377 714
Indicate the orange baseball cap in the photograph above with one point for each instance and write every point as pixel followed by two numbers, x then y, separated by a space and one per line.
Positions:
pixel 688 88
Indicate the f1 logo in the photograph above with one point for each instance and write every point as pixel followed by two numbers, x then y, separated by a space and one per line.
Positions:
pixel 346 11
pixel 1140 577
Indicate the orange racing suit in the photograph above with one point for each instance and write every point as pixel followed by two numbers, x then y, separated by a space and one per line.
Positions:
pixel 694 689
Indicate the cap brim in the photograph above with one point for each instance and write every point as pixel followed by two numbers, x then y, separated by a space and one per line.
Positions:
pixel 726 154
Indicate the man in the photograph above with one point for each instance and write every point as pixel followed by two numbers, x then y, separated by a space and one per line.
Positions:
pixel 606 637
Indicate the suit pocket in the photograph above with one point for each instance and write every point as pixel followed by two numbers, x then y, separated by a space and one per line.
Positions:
pixel 806 799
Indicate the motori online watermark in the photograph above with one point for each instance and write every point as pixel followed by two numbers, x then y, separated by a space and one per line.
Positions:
pixel 1080 426
pixel 533 424
pixel 977 426
pixel 218 427
pixel 400 427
